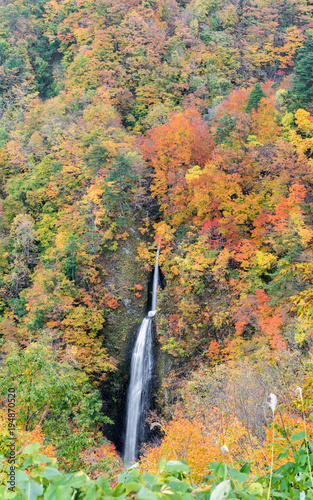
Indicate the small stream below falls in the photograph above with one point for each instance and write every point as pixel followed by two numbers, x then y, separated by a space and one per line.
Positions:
pixel 140 378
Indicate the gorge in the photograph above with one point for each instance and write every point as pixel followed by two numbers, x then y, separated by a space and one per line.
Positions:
pixel 141 374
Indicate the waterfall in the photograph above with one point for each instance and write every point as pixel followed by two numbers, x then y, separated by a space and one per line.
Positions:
pixel 140 376
pixel 155 283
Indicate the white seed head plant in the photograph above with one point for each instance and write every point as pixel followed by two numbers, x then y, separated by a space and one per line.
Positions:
pixel 273 403
pixel 298 391
pixel 224 449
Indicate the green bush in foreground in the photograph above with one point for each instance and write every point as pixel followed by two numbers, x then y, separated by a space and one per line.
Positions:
pixel 44 481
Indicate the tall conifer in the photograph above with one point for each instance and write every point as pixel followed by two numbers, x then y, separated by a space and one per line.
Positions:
pixel 254 98
pixel 303 73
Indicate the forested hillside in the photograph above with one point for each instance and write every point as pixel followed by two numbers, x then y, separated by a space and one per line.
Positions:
pixel 128 124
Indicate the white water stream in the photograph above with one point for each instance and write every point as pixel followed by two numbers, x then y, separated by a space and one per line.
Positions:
pixel 140 377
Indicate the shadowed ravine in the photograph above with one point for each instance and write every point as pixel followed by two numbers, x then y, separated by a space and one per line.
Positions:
pixel 141 374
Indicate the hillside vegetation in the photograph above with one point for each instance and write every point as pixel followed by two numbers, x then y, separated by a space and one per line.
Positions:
pixel 125 124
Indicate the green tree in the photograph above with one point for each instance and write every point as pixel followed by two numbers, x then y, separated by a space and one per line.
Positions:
pixel 254 98
pixel 226 124
pixel 303 73
pixel 121 181
pixel 50 390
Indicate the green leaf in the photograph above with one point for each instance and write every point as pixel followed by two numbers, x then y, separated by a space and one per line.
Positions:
pixel 92 493
pixel 255 489
pixel 51 472
pixel 279 494
pixel 179 486
pixel 240 477
pixel 30 448
pixel 132 487
pixel 283 454
pixel 122 477
pixel 162 464
pixel 31 489
pixel 118 488
pixel 145 494
pixel 176 466
pixel 221 491
pixel 187 496
pixel 55 492
pixel 8 495
pixel 298 436
pixel 245 468
pixel 221 471
pixel 245 496
pixel 103 484
pixel 134 472
pixel 150 479
pixel 40 459
pixel 21 476
pixel 27 463
pixel 77 481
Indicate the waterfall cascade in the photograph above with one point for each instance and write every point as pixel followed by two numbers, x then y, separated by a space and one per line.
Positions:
pixel 140 377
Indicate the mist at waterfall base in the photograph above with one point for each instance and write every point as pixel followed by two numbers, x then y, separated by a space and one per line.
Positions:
pixel 141 374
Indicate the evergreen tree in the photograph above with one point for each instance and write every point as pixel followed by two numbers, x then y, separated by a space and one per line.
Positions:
pixel 254 98
pixel 120 182
pixel 303 74
pixel 227 124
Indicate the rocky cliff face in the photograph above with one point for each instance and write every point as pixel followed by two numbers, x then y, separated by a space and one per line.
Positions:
pixel 121 328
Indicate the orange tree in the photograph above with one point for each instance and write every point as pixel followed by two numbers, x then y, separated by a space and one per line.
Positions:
pixel 199 441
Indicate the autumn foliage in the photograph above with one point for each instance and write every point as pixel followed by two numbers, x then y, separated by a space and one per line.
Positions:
pixel 173 148
pixel 128 125
pixel 200 443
